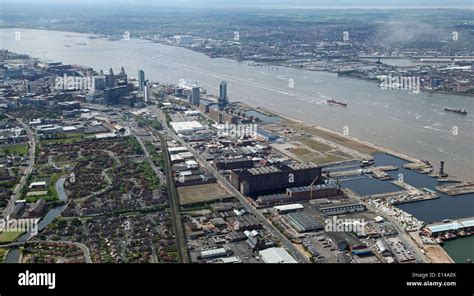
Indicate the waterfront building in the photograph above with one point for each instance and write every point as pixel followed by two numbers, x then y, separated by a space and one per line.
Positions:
pixel 222 95
pixel 261 179
pixel 146 91
pixel 195 96
pixel 110 80
pixel 141 80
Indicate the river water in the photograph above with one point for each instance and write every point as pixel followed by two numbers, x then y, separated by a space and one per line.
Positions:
pixel 14 254
pixel 414 124
pixel 407 122
pixel 444 207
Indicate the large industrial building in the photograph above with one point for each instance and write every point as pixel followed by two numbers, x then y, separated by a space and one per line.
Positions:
pixel 303 222
pixel 276 255
pixel 327 190
pixel 351 206
pixel 261 179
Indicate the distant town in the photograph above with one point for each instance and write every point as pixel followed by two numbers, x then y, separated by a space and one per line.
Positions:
pixel 438 54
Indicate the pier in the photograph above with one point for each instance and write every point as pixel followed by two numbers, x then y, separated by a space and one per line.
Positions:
pixel 457 189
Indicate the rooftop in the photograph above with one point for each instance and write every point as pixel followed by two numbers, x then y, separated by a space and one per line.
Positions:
pixel 276 255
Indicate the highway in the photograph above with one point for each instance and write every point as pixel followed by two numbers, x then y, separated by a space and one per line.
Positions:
pixel 247 205
pixel 29 169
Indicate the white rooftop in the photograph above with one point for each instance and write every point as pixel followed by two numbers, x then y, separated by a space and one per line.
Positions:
pixel 289 207
pixel 183 127
pixel 276 255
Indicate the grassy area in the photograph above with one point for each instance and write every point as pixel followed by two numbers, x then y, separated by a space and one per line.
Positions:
pixel 19 149
pixel 148 175
pixel 133 142
pixel 201 193
pixel 3 252
pixel 333 137
pixel 7 237
pixel 52 194
pixel 64 138
pixel 301 152
pixel 156 157
pixel 317 146
pixel 153 123
pixel 307 155
pixel 8 184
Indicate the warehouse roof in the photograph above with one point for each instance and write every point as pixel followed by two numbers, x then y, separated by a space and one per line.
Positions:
pixel 289 207
pixel 276 255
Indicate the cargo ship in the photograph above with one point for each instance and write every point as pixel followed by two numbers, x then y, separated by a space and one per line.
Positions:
pixel 334 102
pixel 459 111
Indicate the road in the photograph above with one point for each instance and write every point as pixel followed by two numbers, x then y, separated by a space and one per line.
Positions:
pixel 84 248
pixel 173 196
pixel 149 157
pixel 223 182
pixel 29 169
pixel 408 241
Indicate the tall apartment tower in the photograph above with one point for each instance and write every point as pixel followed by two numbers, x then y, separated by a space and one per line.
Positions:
pixel 222 95
pixel 141 80
pixel 146 91
pixel 196 96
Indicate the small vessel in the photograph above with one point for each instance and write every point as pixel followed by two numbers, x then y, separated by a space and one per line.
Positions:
pixel 459 111
pixel 366 163
pixel 464 233
pixel 80 43
pixel 334 102
pixel 449 236
pixel 66 45
pixel 446 220
pixel 439 241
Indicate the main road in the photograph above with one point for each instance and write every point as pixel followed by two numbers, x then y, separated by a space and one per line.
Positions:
pixel 222 181
pixel 173 196
pixel 29 169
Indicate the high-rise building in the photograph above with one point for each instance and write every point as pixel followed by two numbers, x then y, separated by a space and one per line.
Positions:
pixel 141 79
pixel 222 95
pixel 146 91
pixel 113 94
pixel 110 80
pixel 196 96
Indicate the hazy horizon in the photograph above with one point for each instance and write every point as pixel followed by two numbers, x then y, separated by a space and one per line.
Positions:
pixel 368 4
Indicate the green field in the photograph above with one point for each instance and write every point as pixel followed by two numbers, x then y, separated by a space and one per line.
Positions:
pixel 201 193
pixel 64 138
pixel 19 149
pixel 52 193
pixel 3 252
pixel 7 237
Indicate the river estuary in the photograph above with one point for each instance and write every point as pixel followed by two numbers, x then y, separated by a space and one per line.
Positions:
pixel 412 123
